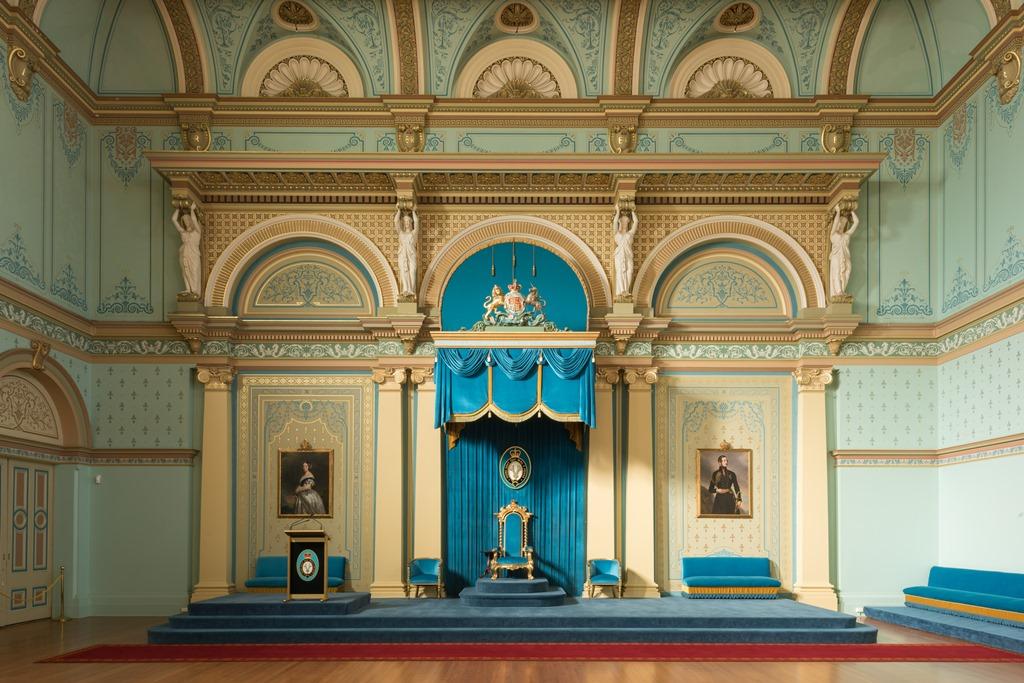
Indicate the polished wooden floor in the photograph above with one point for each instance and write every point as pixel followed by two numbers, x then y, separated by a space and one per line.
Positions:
pixel 24 644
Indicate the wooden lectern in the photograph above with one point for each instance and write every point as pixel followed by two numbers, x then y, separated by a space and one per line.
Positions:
pixel 307 564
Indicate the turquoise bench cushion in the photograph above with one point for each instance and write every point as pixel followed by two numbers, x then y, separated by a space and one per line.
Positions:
pixel 604 580
pixel 989 600
pixel 997 583
pixel 272 572
pixel 739 581
pixel 726 566
pixel 511 560
pixel 267 582
pixel 423 579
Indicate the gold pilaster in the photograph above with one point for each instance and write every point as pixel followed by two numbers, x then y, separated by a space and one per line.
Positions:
pixel 639 540
pixel 389 516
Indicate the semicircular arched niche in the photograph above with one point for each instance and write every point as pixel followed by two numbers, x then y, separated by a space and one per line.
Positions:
pixel 495 55
pixel 723 282
pixel 523 229
pixel 43 406
pixel 782 249
pixel 730 59
pixel 331 63
pixel 233 264
pixel 305 282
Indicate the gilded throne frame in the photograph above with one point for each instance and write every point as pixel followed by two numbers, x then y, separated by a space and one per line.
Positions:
pixel 500 557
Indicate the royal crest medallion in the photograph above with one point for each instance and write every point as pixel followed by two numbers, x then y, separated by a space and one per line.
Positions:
pixel 514 467
pixel 512 309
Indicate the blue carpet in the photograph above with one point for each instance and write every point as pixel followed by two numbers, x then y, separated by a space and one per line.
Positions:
pixel 506 593
pixel 242 618
pixel 994 635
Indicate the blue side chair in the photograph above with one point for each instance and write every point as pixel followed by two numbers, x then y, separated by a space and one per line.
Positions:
pixel 605 573
pixel 424 572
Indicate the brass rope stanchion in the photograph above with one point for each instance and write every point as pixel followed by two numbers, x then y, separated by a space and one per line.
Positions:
pixel 60 578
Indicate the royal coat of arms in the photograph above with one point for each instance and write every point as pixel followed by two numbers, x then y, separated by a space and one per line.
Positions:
pixel 512 309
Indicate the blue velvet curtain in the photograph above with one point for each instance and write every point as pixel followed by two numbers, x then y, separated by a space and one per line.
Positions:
pixel 555 493
pixel 567 386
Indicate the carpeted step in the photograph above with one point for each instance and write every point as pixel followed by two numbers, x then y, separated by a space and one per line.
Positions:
pixel 492 586
pixel 472 618
pixel 167 635
pixel 549 598
pixel 247 604
pixel 973 630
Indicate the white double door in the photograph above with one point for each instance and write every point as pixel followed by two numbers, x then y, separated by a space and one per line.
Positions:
pixel 26 541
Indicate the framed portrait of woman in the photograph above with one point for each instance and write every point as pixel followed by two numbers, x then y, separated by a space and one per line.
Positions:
pixel 304 482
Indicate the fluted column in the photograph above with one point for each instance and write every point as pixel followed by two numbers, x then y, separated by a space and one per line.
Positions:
pixel 812 584
pixel 638 534
pixel 215 485
pixel 427 466
pixel 601 471
pixel 389 507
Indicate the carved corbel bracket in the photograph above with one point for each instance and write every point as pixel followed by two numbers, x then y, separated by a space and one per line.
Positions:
pixel 835 138
pixel 622 115
pixel 407 327
pixel 20 69
pixel 40 351
pixel 638 376
pixel 190 325
pixel 1007 73
pixel 410 115
pixel 622 327
pixel 609 376
pixel 195 114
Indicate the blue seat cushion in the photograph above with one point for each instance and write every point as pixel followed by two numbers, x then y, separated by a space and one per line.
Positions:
pixel 423 579
pixel 604 580
pixel 728 581
pixel 511 560
pixel 989 600
pixel 267 582
pixel 272 565
pixel 996 583
pixel 726 566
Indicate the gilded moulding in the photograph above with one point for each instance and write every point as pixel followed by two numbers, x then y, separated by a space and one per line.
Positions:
pixel 20 69
pixel 1008 73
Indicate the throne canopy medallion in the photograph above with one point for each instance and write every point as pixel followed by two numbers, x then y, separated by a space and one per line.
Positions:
pixel 303 76
pixel 729 78
pixel 517 78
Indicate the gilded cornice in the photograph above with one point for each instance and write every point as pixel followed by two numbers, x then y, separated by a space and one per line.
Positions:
pixel 1005 446
pixel 78 455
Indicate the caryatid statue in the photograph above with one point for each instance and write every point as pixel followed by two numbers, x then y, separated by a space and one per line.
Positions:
pixel 844 223
pixel 186 221
pixel 624 226
pixel 407 225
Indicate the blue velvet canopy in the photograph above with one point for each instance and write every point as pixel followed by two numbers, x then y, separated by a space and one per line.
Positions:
pixel 514 384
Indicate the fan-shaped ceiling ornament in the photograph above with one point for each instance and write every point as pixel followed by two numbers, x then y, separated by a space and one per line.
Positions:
pixel 303 76
pixel 728 78
pixel 517 78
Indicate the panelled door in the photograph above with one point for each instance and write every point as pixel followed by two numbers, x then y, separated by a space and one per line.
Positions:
pixel 25 506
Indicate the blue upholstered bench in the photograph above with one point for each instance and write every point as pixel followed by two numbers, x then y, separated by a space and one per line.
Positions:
pixel 729 577
pixel 272 574
pixel 973 593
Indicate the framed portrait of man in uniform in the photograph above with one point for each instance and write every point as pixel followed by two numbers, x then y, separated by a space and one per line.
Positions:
pixel 724 482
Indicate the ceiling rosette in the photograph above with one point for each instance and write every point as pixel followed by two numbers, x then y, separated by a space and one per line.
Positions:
pixel 729 78
pixel 303 76
pixel 517 77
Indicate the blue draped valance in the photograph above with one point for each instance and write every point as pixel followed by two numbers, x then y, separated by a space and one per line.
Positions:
pixel 514 384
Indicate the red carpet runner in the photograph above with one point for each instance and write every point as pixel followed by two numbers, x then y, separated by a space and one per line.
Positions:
pixel 644 652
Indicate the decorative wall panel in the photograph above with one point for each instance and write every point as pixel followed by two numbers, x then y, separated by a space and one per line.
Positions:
pixel 700 411
pixel 329 411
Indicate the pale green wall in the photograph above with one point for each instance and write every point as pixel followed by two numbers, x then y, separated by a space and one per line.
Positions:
pixel 887 532
pixel 127 542
pixel 886 406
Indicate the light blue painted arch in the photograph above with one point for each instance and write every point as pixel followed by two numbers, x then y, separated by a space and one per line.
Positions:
pixel 578 30
pixel 794 31
pixel 118 47
pixel 912 48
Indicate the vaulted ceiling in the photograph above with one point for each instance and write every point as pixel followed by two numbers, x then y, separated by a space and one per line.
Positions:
pixel 448 48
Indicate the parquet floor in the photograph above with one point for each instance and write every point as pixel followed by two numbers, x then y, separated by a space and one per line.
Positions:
pixel 24 644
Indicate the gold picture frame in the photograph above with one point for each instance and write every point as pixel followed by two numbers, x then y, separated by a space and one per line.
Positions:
pixel 297 496
pixel 717 491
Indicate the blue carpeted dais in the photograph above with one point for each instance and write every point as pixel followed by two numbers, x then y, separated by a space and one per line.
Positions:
pixel 352 617
pixel 973 630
